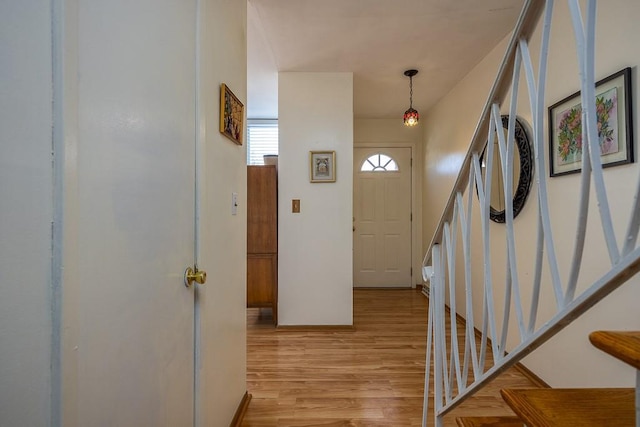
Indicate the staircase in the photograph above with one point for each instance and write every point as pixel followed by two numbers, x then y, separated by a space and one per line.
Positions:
pixel 551 407
pixel 461 268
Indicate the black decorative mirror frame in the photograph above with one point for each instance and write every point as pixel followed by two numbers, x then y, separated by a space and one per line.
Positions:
pixel 526 170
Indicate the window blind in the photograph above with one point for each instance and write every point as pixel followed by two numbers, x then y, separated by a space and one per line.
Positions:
pixel 262 139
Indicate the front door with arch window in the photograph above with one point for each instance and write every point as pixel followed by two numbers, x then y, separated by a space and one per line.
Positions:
pixel 382 217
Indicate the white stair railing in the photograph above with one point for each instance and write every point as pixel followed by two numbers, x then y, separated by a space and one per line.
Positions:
pixel 451 374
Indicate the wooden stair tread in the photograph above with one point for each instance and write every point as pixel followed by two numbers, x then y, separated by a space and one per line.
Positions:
pixel 489 422
pixel 625 345
pixel 554 407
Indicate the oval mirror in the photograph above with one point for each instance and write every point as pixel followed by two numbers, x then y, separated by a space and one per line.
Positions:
pixel 522 172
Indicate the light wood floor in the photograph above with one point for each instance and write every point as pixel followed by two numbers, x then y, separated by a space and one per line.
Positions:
pixel 370 376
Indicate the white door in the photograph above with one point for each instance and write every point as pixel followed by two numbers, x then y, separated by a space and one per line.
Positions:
pixel 382 217
pixel 136 156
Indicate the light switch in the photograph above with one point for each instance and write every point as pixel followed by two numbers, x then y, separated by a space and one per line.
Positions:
pixel 234 203
pixel 295 205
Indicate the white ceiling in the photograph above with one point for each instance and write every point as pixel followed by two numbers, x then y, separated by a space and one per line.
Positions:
pixel 377 40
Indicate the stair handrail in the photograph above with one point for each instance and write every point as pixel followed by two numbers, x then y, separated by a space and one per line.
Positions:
pixel 439 264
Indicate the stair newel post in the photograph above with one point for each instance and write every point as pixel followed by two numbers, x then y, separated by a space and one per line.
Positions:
pixel 437 293
pixel 429 349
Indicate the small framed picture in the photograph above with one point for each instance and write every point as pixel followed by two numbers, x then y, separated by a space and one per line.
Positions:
pixel 231 115
pixel 322 166
pixel 615 127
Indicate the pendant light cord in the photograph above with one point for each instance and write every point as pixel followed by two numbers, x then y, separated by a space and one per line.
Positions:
pixel 411 92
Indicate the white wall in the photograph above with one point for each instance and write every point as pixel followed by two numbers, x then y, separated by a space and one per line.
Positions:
pixel 315 246
pixel 262 71
pixel 450 125
pixel 222 300
pixel 393 133
pixel 26 212
pixel 448 128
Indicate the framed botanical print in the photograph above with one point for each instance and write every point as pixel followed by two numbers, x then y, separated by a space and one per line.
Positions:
pixel 615 127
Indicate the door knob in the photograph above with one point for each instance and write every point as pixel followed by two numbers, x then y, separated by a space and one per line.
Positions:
pixel 194 275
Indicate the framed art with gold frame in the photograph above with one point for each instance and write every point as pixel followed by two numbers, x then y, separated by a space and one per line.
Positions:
pixel 231 115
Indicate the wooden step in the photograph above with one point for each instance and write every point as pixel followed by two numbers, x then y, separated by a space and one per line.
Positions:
pixel 489 422
pixel 625 345
pixel 555 407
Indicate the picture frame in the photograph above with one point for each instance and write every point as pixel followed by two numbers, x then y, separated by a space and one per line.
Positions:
pixel 231 115
pixel 613 105
pixel 322 166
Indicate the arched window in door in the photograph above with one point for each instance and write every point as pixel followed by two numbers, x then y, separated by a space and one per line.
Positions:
pixel 379 163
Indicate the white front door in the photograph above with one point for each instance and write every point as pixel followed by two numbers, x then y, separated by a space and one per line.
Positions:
pixel 382 217
pixel 136 154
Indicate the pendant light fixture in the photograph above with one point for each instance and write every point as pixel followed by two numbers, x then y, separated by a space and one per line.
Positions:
pixel 411 116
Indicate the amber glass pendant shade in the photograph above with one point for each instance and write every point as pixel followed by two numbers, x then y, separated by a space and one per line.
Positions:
pixel 411 116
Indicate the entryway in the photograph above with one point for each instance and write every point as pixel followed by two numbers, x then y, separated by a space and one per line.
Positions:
pixel 382 217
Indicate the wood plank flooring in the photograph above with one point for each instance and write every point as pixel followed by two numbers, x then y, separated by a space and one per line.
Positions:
pixel 370 376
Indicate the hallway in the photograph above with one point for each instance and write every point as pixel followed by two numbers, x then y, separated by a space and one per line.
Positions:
pixel 371 375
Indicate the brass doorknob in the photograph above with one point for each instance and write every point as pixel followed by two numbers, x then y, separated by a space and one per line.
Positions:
pixel 194 275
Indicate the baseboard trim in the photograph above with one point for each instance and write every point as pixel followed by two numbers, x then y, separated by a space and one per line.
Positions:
pixel 241 411
pixel 315 328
